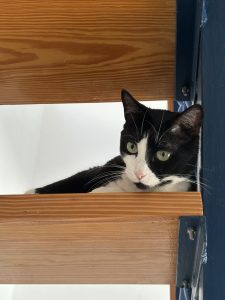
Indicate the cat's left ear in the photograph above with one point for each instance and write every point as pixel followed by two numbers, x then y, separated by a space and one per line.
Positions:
pixel 130 104
pixel 189 121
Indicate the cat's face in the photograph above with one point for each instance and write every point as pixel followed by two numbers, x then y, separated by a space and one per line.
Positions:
pixel 159 147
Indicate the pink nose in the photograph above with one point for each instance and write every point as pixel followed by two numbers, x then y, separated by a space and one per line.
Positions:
pixel 140 175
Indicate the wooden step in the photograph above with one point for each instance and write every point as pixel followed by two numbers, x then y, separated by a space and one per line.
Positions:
pixel 86 51
pixel 92 238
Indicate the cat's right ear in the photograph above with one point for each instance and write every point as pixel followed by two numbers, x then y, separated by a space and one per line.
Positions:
pixel 130 104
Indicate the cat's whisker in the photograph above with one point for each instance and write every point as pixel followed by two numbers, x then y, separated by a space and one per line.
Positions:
pixel 143 120
pixel 184 174
pixel 105 174
pixel 122 168
pixel 125 169
pixel 187 178
pixel 105 177
pixel 137 131
pixel 159 140
pixel 157 136
pixel 176 174
pixel 202 168
pixel 103 182
pixel 201 183
pixel 117 166
pixel 203 186
pixel 99 176
pixel 153 127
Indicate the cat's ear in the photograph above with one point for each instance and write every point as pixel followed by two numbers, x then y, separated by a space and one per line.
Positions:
pixel 189 121
pixel 130 104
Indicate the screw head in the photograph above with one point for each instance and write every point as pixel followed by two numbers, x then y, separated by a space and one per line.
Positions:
pixel 191 233
pixel 185 90
pixel 185 284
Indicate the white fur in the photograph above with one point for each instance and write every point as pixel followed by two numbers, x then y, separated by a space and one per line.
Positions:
pixel 125 185
pixel 121 185
pixel 178 184
pixel 137 164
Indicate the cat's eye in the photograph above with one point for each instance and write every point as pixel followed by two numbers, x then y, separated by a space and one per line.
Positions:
pixel 132 148
pixel 163 155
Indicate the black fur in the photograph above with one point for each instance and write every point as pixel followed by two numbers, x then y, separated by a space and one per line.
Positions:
pixel 169 131
pixel 84 182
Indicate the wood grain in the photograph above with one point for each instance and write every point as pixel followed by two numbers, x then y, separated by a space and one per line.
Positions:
pixel 86 50
pixel 172 292
pixel 92 205
pixel 92 238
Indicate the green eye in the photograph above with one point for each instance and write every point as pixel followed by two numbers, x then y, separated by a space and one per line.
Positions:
pixel 132 148
pixel 163 155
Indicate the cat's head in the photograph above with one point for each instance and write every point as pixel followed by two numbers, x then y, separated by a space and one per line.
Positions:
pixel 158 146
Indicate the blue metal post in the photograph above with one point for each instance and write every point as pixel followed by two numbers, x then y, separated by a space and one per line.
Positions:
pixel 213 148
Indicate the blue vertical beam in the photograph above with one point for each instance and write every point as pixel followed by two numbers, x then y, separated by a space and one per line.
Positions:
pixel 184 48
pixel 191 258
pixel 188 25
pixel 213 99
pixel 206 78
pixel 209 89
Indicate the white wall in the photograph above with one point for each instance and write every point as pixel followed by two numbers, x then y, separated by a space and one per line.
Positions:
pixel 84 292
pixel 19 140
pixel 41 144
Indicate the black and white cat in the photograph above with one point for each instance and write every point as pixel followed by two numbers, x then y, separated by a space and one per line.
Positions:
pixel 158 153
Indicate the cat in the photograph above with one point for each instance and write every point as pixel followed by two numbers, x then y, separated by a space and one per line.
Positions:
pixel 158 153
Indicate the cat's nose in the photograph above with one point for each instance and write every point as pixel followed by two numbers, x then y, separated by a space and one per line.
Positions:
pixel 140 175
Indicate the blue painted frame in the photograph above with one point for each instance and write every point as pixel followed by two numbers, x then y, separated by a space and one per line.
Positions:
pixel 192 256
pixel 185 25
pixel 189 23
pixel 213 159
pixel 208 77
pixel 190 20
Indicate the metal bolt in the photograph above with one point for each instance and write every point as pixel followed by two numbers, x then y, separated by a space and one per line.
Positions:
pixel 185 284
pixel 191 233
pixel 185 90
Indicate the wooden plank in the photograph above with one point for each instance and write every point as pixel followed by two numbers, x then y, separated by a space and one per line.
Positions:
pixel 172 292
pixel 92 238
pixel 86 50
pixel 171 105
pixel 93 205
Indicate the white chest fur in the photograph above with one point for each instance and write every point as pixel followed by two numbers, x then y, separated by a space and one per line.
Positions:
pixel 125 185
pixel 117 186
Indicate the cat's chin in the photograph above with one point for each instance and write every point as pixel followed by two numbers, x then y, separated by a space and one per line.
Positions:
pixel 145 187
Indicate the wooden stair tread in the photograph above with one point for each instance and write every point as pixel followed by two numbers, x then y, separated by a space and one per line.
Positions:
pixel 92 238
pixel 86 51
